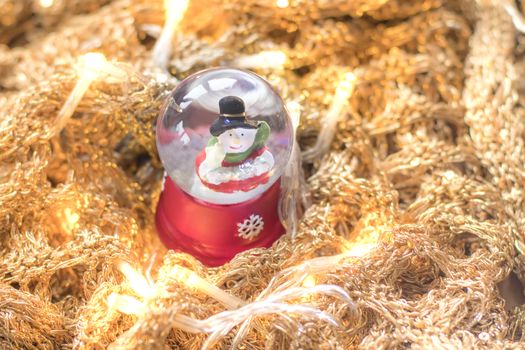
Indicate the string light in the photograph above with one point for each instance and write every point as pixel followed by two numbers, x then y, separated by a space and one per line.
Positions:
pixel 359 249
pixel 174 11
pixel 46 3
pixel 192 280
pixel 309 282
pixel 90 67
pixel 146 289
pixel 71 216
pixel 139 284
pixel 345 87
pixel 70 220
pixel 220 324
pixel 291 179
pixel 91 64
pixel 282 4
pixel 125 304
pixel 274 59
pixel 344 90
pixel 515 14
pixel 137 281
pixel 303 273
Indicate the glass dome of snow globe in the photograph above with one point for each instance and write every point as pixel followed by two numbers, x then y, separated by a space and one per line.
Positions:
pixel 224 136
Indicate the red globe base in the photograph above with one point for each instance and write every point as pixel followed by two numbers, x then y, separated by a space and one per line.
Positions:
pixel 215 233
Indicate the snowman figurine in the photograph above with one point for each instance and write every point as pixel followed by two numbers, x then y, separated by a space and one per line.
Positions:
pixel 236 159
pixel 224 148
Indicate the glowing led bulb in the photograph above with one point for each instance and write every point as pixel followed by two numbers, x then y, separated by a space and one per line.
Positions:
pixel 346 86
pixel 91 64
pixel 192 280
pixel 94 64
pixel 46 3
pixel 137 281
pixel 90 67
pixel 71 219
pixel 125 304
pixel 174 13
pixel 359 249
pixel 282 4
pixel 343 91
pixel 309 282
pixel 274 59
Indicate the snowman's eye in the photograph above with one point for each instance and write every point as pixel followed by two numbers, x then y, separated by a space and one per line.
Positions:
pixel 242 134
pixel 231 134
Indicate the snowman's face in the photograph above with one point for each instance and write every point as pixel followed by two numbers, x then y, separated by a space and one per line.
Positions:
pixel 237 140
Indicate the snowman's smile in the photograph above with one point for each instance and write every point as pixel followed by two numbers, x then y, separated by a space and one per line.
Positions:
pixel 235 147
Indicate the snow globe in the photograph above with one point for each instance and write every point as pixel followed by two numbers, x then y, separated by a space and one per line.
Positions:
pixel 224 137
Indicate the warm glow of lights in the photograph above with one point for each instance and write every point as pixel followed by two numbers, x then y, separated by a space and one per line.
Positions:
pixel 71 217
pixel 278 57
pixel 345 86
pixel 221 323
pixel 90 67
pixel 91 64
pixel 137 281
pixel 46 3
pixel 145 289
pixel 343 91
pixel 125 304
pixel 174 13
pixel 192 280
pixel 70 220
pixel 186 276
pixel 359 249
pixel 309 282
pixel 94 64
pixel 175 10
pixel 140 285
pixel 274 59
pixel 449 175
pixel 282 4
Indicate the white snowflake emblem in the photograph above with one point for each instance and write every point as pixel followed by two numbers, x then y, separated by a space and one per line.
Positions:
pixel 251 227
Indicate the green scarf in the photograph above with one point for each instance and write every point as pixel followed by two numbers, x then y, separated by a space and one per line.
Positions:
pixel 263 132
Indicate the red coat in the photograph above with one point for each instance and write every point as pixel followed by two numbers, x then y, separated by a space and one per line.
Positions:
pixel 234 185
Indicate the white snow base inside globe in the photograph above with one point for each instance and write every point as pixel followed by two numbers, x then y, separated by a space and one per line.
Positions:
pixel 199 190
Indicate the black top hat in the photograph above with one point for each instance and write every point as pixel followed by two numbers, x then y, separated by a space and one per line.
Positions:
pixel 232 116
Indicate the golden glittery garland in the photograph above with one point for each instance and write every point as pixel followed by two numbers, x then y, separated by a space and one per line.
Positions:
pixel 405 206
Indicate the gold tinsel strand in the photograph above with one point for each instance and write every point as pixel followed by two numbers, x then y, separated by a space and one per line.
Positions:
pixel 412 201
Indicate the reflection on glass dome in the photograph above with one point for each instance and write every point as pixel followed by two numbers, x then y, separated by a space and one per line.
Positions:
pixel 224 135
